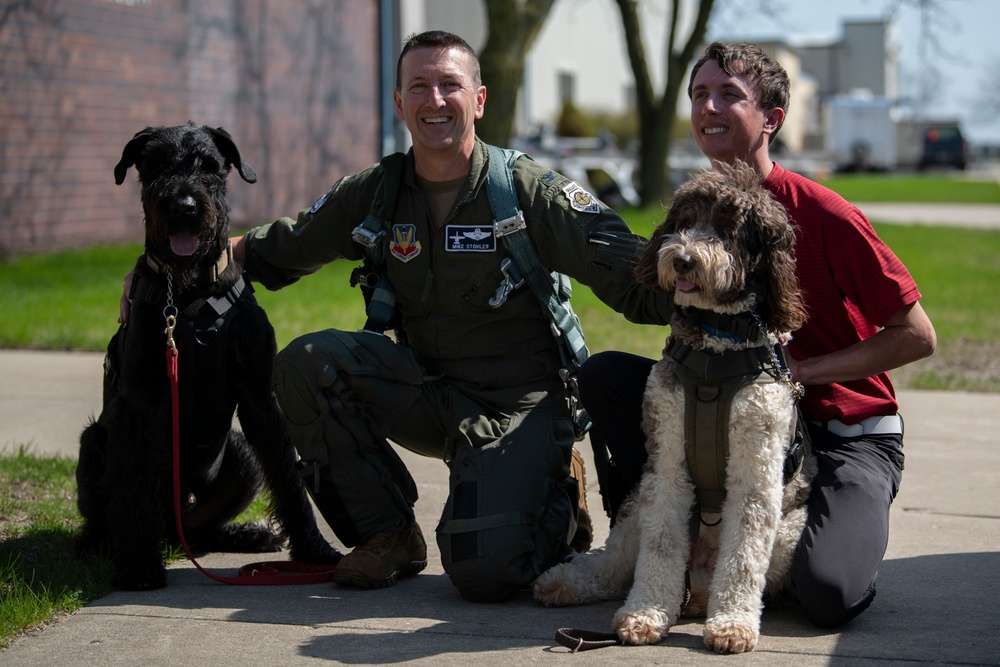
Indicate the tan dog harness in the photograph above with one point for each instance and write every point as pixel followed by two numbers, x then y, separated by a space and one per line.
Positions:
pixel 711 380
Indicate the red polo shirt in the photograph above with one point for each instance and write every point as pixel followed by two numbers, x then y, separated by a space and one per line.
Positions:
pixel 852 283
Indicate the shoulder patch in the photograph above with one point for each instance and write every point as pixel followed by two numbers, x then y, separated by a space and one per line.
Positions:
pixel 404 245
pixel 326 195
pixel 580 199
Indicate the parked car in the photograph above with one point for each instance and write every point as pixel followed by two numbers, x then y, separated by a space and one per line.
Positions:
pixel 944 145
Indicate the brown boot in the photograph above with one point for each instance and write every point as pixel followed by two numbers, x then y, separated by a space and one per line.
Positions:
pixel 383 558
pixel 584 535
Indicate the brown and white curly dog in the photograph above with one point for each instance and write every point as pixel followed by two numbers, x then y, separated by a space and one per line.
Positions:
pixel 726 255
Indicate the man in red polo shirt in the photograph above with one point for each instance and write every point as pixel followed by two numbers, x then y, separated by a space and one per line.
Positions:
pixel 864 318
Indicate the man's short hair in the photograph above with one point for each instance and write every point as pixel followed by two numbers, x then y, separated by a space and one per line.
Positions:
pixel 437 39
pixel 743 58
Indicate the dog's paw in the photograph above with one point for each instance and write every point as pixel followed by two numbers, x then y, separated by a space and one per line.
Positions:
pixel 239 538
pixel 91 545
pixel 553 588
pixel 730 637
pixel 317 554
pixel 146 578
pixel 641 626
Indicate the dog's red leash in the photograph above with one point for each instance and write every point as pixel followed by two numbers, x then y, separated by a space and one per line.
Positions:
pixel 254 574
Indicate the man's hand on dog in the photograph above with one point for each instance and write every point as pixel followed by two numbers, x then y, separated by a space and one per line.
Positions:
pixel 125 305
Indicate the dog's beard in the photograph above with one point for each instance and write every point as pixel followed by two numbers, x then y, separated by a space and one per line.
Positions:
pixel 182 239
pixel 697 269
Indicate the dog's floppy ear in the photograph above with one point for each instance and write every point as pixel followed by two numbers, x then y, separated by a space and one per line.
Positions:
pixel 131 153
pixel 227 146
pixel 783 308
pixel 647 272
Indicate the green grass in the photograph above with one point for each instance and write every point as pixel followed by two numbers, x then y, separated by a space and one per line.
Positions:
pixel 69 300
pixel 958 272
pixel 40 575
pixel 927 188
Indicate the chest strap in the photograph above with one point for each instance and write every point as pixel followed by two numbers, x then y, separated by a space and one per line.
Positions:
pixel 207 405
pixel 710 382
pixel 552 289
pixel 380 298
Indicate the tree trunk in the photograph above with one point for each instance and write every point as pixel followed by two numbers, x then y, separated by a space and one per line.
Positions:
pixel 657 112
pixel 513 27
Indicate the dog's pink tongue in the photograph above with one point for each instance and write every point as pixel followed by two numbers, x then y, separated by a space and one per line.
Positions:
pixel 183 244
pixel 684 285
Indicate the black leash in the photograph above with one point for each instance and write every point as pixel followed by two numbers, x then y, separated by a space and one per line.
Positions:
pixel 584 640
pixel 577 640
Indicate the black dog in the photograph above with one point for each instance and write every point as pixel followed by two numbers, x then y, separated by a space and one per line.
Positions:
pixel 225 347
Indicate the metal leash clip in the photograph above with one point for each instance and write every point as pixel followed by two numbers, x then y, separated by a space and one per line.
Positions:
pixel 512 279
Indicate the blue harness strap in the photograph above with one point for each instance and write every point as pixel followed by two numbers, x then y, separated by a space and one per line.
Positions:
pixel 380 304
pixel 551 289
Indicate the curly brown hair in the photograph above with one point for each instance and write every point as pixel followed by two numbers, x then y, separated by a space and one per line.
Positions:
pixel 756 232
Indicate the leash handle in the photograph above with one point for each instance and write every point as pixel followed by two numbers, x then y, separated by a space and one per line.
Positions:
pixel 585 640
pixel 254 574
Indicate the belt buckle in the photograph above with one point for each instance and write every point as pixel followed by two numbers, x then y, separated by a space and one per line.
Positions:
pixel 839 428
pixel 845 430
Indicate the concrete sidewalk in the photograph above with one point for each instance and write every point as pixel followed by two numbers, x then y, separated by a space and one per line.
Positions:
pixel 969 216
pixel 937 600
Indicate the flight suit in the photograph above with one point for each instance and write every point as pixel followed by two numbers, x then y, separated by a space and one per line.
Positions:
pixel 476 384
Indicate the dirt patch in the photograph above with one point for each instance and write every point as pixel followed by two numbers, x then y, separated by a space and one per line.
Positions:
pixel 956 365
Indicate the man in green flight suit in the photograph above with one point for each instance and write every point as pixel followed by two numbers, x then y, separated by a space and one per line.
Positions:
pixel 477 382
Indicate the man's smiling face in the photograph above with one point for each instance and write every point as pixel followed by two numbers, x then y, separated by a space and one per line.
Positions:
pixel 726 116
pixel 439 99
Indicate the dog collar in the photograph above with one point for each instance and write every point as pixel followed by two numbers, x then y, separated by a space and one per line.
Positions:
pixel 212 273
pixel 739 328
pixel 720 333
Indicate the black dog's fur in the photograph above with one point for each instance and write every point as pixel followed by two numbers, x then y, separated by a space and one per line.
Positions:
pixel 124 475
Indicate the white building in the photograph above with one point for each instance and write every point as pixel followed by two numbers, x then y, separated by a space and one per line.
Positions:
pixel 580 54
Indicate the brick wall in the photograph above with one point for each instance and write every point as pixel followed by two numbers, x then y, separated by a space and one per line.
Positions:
pixel 294 81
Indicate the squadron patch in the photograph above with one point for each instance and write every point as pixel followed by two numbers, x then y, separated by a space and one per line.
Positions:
pixel 469 238
pixel 322 200
pixel 580 199
pixel 404 246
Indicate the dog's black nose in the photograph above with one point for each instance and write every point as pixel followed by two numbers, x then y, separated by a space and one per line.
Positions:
pixel 683 264
pixel 183 206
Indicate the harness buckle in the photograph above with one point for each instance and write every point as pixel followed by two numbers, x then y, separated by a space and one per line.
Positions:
pixel 366 237
pixel 509 225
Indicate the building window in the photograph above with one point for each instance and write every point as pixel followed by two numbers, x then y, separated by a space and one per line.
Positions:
pixel 567 87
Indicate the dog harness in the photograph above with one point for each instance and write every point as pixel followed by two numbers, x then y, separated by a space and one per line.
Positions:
pixel 201 332
pixel 711 380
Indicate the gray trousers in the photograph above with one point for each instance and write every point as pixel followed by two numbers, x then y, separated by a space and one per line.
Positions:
pixel 846 534
pixel 511 501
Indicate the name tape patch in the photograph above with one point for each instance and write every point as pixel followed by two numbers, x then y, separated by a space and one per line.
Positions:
pixel 470 238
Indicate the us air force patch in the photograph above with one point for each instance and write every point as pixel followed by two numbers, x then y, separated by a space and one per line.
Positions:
pixel 469 238
pixel 404 245
pixel 580 199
